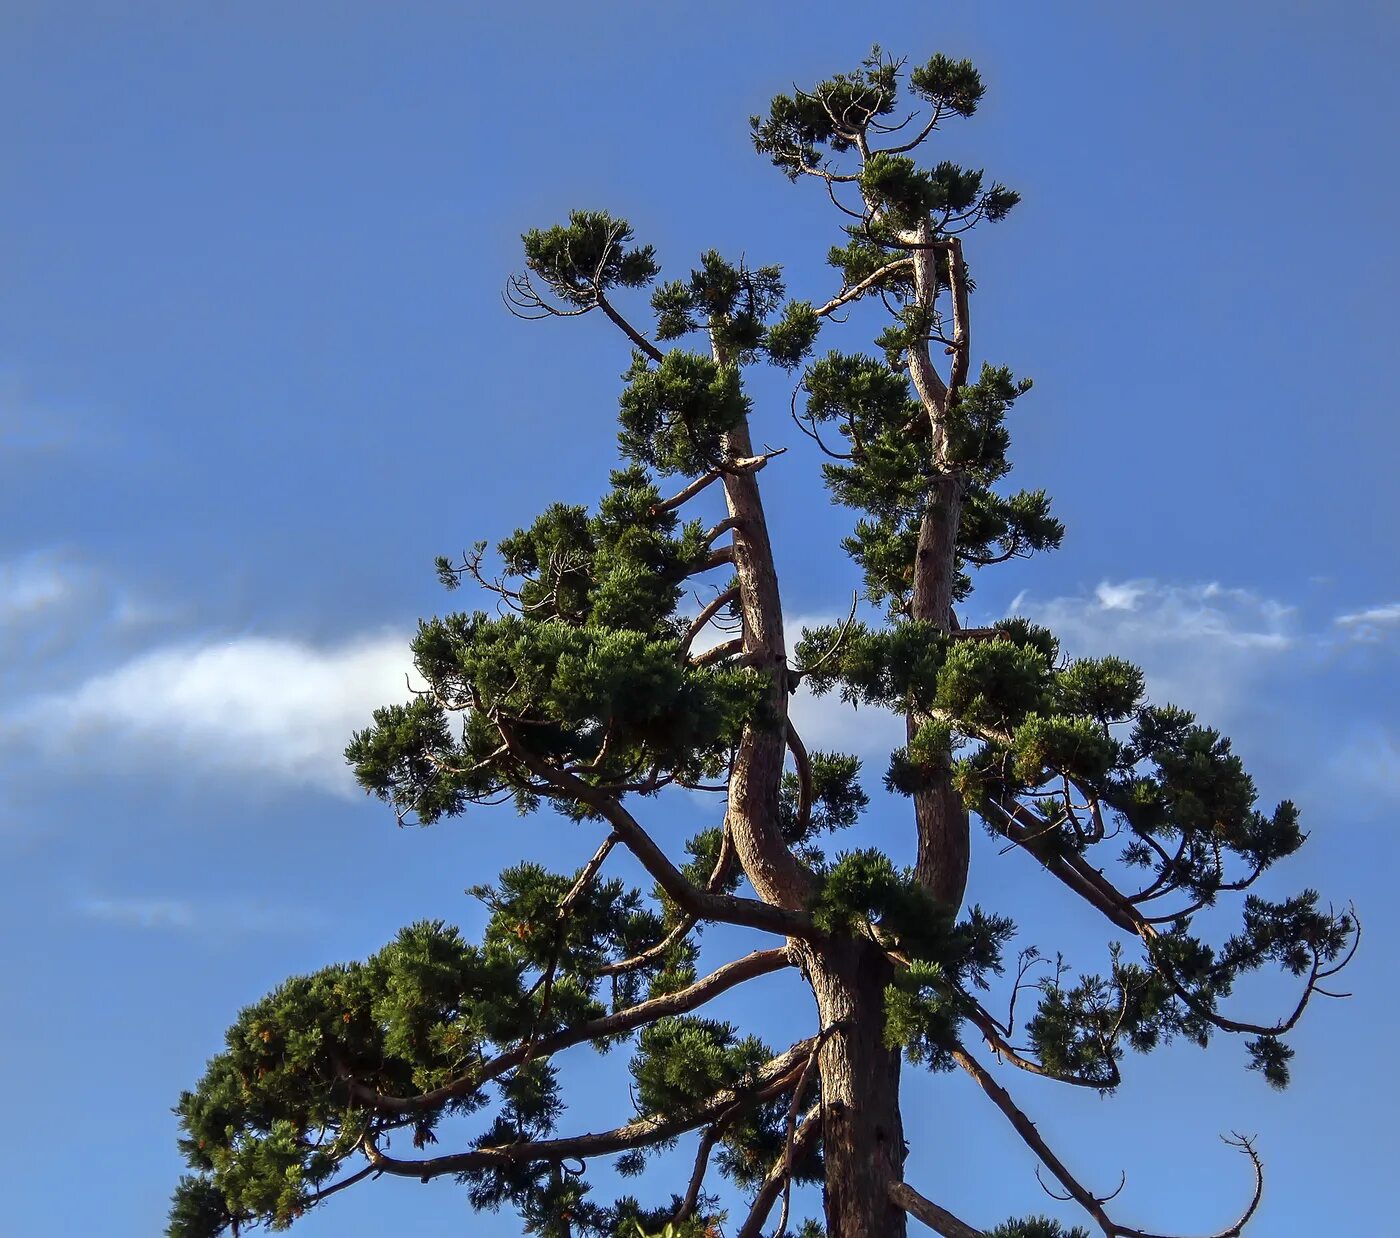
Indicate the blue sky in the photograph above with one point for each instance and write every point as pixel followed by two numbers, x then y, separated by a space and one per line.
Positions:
pixel 255 374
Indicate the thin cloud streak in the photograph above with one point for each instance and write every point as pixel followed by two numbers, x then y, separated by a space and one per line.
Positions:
pixel 225 917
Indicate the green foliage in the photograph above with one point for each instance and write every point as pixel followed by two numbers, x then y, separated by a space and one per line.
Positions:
pixel 576 687
pixel 588 256
pixel 683 1060
pixel 676 413
pixel 1036 1227
pixel 799 125
pixel 733 304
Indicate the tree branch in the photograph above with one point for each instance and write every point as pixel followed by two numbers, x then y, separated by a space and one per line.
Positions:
pixel 804 779
pixel 1086 1199
pixel 938 1219
pixel 962 345
pixel 627 328
pixel 856 291
pixel 772 1079
pixel 717 653
pixel 697 625
pixel 707 988
pixel 780 1176
pixel 691 1198
pixel 751 913
pixel 718 875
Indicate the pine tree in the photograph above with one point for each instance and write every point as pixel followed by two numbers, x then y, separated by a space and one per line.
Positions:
pixel 589 688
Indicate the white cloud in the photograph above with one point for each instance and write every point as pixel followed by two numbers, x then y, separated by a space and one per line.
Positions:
pixel 828 723
pixel 1200 645
pixel 1122 596
pixel 1370 624
pixel 220 918
pixel 273 708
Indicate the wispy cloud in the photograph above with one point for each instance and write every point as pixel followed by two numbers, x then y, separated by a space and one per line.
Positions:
pixel 37 584
pixel 1372 624
pixel 223 917
pixel 1200 644
pixel 273 708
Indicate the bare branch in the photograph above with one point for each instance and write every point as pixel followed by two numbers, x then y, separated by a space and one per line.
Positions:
pixel 962 347
pixel 698 624
pixel 1086 1199
pixel 937 1218
pixel 923 133
pixel 856 291
pixel 718 653
pixel 718 875
pixel 804 779
pixel 627 328
pixel 801 672
pixel 688 1203
pixel 326 1192
pixel 721 528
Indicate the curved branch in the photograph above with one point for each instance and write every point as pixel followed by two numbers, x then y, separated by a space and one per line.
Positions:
pixel 326 1192
pixel 749 912
pixel 718 875
pixel 717 653
pixel 923 133
pixel 962 346
pixel 856 291
pixel 804 779
pixel 750 967
pixel 697 625
pixel 627 328
pixel 691 1199
pixel 999 1045
pixel 1086 1199
pixel 771 1080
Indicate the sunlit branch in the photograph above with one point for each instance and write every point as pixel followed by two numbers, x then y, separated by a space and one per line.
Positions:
pixel 619 1023
pixel 937 1218
pixel 856 291
pixel 771 1080
pixel 718 875
pixel 779 1177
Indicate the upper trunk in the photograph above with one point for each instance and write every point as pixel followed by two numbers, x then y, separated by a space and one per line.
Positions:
pixel 939 812
pixel 756 779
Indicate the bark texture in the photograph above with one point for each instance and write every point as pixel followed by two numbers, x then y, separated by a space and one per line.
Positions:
pixel 862 1132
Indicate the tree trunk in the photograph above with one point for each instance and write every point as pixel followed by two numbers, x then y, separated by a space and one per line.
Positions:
pixel 944 841
pixel 862 1133
pixel 758 763
pixel 939 812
